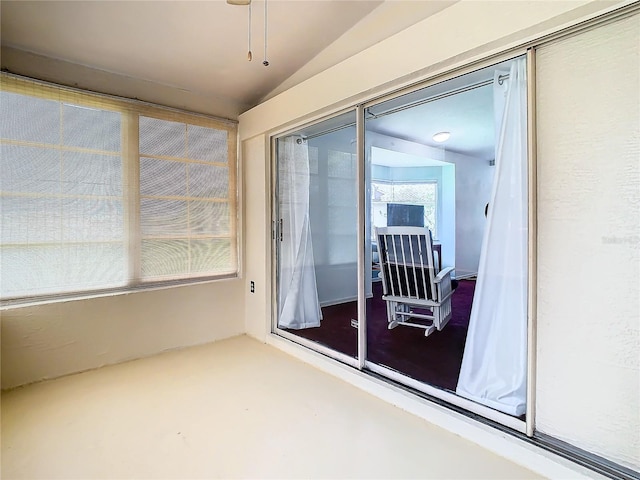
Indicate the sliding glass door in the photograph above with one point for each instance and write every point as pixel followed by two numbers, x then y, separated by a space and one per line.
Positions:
pixel 449 162
pixel 316 230
pixel 435 221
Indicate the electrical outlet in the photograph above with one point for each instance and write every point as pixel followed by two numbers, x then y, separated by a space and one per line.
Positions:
pixel 252 286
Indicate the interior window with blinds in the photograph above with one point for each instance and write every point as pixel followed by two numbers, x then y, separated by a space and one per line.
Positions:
pixel 71 221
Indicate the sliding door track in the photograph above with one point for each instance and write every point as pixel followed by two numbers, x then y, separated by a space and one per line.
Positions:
pixel 565 450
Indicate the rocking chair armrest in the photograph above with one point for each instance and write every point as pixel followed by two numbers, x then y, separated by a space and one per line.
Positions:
pixel 443 274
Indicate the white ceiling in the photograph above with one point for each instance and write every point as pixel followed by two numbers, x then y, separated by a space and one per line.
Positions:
pixel 201 46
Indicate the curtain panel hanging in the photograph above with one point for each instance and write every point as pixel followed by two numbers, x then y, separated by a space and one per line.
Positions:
pixel 494 364
pixel 298 293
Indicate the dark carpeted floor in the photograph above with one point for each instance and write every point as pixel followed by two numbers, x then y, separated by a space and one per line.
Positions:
pixel 435 359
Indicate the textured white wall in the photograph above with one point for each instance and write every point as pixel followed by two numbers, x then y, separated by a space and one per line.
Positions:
pixel 257 238
pixel 48 341
pixel 588 379
pixel 474 179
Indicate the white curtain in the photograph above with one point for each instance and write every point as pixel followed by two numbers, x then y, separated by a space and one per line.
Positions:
pixel 297 293
pixel 494 365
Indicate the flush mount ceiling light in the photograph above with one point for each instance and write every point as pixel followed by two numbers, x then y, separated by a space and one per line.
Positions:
pixel 441 137
pixel 248 4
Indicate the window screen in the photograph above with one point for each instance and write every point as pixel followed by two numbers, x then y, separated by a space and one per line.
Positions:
pixel 100 193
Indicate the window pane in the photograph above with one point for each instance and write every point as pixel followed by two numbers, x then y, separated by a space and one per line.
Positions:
pixel 382 192
pixel 63 219
pixel 162 177
pixel 31 270
pixel 425 194
pixel 95 265
pixel 29 169
pixel 211 218
pixel 31 220
pixel 342 220
pixel 341 164
pixel 193 226
pixel 48 269
pixel 164 258
pixel 92 219
pixel 163 217
pixel 211 256
pixel 313 160
pixel 160 137
pixel 346 255
pixel 29 119
pixel 341 192
pixel 91 128
pixel 91 174
pixel 208 181
pixel 207 144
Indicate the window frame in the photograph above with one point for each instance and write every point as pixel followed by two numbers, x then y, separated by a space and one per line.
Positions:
pixel 131 111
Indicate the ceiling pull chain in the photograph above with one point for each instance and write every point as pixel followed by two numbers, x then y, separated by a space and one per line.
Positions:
pixel 265 62
pixel 249 55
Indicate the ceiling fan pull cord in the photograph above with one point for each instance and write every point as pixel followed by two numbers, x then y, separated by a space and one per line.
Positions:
pixel 249 55
pixel 265 62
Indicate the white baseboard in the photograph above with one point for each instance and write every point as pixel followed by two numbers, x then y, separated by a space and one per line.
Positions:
pixel 462 274
pixel 339 301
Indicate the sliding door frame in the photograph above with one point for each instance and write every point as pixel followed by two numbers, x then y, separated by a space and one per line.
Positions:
pixel 532 245
pixel 275 202
pixel 528 425
pixel 360 362
pixel 362 222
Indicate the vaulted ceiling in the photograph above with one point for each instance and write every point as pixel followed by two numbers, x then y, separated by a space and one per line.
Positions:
pixel 201 46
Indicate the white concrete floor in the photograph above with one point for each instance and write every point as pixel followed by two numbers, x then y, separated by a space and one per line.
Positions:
pixel 232 409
